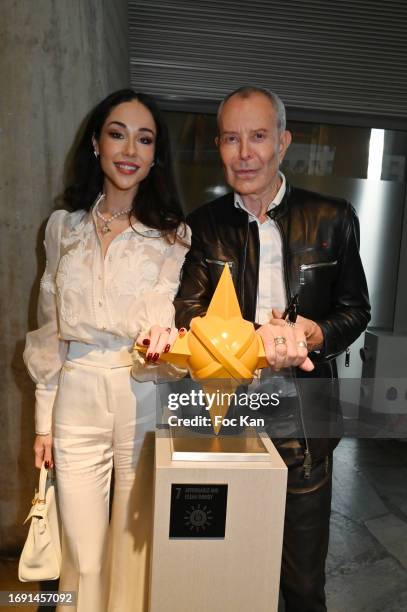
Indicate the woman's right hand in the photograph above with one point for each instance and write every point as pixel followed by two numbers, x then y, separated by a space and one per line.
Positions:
pixel 158 340
pixel 43 450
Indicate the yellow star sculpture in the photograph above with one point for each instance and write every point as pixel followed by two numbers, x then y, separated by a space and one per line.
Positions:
pixel 220 348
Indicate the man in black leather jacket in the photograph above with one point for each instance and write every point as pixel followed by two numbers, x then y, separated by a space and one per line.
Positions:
pixel 280 241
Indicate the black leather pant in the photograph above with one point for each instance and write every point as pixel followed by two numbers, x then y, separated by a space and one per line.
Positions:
pixel 306 536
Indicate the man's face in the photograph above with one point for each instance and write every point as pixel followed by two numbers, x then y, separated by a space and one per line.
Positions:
pixel 250 145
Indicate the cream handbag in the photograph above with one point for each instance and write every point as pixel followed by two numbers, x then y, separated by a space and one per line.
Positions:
pixel 41 556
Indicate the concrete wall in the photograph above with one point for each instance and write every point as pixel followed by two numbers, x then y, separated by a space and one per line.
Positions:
pixel 57 59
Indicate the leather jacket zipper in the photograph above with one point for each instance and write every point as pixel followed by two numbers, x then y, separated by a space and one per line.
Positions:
pixel 320 264
pixel 312 266
pixel 219 262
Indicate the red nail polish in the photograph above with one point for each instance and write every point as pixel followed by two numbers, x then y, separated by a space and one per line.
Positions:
pixel 146 342
pixel 167 348
pixel 46 465
pixel 149 357
pixel 155 356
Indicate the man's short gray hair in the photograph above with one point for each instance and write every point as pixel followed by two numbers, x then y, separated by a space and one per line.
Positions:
pixel 247 91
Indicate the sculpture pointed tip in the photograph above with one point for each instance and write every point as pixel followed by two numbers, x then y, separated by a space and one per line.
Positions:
pixel 224 301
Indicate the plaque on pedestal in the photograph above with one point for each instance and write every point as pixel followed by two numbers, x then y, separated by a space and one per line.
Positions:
pixel 198 510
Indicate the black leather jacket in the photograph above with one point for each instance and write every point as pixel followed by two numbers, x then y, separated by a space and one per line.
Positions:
pixel 320 237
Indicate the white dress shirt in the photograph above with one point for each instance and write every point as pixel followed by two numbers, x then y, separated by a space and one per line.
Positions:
pixel 103 302
pixel 271 288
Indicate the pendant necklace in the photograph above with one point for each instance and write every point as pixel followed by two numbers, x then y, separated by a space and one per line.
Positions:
pixel 106 229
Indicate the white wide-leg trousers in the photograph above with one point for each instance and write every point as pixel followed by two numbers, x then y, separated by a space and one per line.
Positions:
pixel 98 424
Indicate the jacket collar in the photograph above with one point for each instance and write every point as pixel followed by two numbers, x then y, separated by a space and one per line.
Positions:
pixel 275 212
pixel 278 198
pixel 237 214
pixel 282 208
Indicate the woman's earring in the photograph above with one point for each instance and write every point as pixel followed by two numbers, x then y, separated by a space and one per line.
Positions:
pixel 151 165
pixel 95 153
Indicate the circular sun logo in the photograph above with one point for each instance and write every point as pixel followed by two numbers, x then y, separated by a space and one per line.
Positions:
pixel 198 518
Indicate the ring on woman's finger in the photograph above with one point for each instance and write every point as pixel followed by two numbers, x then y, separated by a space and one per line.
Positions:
pixel 168 329
pixel 302 344
pixel 280 340
pixel 290 323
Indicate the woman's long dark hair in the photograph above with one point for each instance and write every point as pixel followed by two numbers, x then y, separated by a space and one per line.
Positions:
pixel 156 203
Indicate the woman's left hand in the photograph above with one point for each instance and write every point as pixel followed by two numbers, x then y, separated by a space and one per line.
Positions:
pixel 157 341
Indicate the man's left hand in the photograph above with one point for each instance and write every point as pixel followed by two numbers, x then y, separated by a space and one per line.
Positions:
pixel 285 345
pixel 311 329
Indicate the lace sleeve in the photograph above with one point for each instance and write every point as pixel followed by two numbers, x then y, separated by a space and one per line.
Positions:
pixel 44 352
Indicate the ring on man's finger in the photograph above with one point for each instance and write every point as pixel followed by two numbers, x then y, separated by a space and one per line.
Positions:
pixel 280 340
pixel 302 344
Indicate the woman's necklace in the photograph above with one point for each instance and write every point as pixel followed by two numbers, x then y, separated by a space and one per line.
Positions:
pixel 106 229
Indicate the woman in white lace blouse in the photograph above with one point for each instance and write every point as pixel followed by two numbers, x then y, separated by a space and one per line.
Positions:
pixel 112 271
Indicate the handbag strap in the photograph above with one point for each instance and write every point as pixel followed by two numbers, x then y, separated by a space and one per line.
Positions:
pixel 38 504
pixel 42 483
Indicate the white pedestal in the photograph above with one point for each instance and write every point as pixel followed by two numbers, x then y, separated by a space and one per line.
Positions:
pixel 237 573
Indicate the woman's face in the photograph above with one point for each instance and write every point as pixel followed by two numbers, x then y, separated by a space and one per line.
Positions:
pixel 126 146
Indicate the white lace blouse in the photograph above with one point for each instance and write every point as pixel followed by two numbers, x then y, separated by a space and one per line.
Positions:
pixel 102 302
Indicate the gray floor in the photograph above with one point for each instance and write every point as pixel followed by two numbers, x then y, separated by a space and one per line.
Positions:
pixel 367 559
pixel 367 564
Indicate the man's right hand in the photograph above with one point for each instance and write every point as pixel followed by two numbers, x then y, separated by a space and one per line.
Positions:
pixel 285 346
pixel 43 450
